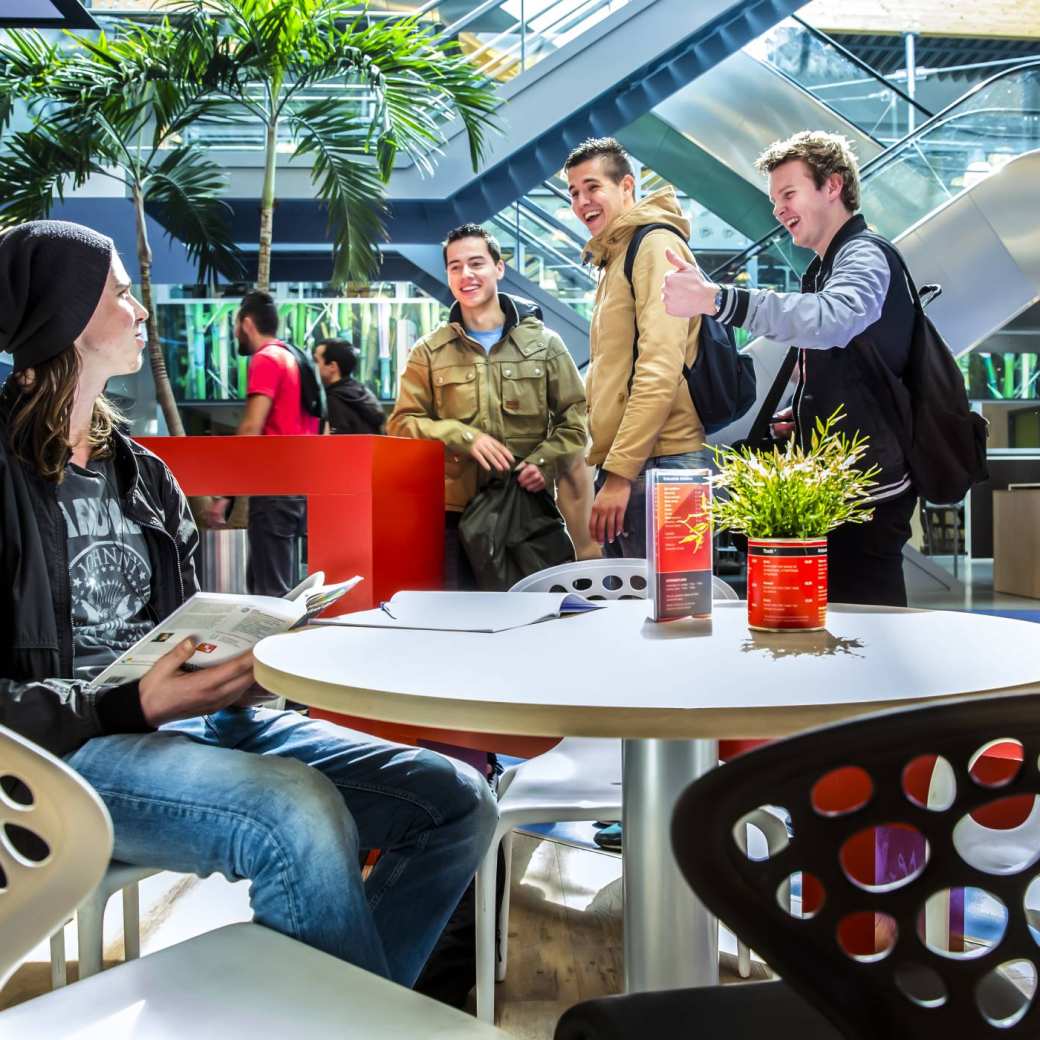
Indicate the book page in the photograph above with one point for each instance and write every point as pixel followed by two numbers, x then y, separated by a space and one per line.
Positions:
pixel 222 624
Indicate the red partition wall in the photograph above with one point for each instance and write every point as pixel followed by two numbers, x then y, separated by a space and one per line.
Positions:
pixel 375 505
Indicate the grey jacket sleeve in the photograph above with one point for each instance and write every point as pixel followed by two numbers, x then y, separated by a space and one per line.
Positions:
pixel 850 302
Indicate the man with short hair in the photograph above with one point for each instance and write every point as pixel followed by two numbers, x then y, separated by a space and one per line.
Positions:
pixel 273 408
pixel 352 407
pixel 641 415
pixel 493 384
pixel 853 321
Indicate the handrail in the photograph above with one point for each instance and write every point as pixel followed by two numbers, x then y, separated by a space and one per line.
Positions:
pixel 861 64
pixel 538 214
pixel 882 159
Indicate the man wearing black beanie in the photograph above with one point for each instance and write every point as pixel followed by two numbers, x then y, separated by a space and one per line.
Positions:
pixel 96 544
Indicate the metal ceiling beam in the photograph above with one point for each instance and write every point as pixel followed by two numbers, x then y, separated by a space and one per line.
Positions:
pixel 45 14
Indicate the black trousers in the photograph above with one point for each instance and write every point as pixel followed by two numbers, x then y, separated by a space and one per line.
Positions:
pixel 865 561
pixel 276 525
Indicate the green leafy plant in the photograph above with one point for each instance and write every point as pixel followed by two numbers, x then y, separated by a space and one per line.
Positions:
pixel 795 492
pixel 350 93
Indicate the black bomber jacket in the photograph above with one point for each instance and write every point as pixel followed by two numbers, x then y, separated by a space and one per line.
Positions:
pixel 37 697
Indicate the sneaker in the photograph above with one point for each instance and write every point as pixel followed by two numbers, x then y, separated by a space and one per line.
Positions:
pixel 609 837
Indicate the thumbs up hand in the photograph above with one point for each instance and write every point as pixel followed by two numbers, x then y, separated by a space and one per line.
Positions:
pixel 686 292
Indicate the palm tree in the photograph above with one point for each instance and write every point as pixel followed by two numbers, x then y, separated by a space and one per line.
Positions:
pixel 350 92
pixel 117 107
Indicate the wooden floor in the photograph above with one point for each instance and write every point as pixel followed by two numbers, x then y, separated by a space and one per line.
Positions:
pixel 564 933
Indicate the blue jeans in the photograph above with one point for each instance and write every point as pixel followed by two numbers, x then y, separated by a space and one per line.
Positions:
pixel 631 543
pixel 292 804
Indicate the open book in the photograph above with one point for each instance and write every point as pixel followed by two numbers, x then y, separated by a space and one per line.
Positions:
pixel 224 624
pixel 467 611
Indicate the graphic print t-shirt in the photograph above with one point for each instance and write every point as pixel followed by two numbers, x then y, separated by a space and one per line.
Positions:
pixel 110 571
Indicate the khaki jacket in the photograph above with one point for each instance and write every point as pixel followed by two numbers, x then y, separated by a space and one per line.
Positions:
pixel 657 416
pixel 525 392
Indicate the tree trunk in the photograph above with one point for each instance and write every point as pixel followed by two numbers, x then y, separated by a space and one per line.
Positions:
pixel 263 265
pixel 163 390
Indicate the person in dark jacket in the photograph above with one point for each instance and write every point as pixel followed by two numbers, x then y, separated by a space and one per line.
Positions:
pixel 853 321
pixel 352 407
pixel 96 545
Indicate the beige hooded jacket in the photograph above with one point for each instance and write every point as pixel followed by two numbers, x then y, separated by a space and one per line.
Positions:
pixel 655 417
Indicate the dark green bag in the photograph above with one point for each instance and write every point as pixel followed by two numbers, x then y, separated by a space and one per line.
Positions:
pixel 508 533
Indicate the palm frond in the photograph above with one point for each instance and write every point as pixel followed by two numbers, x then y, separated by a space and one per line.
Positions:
pixel 348 184
pixel 183 194
pixel 34 168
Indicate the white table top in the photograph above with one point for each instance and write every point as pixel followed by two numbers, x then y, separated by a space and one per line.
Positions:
pixel 613 672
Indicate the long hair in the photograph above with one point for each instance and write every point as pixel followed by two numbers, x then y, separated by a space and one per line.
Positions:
pixel 38 429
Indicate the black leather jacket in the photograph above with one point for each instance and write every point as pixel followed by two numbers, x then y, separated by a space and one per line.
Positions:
pixel 37 699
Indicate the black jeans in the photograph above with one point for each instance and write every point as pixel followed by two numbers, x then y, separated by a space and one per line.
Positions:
pixel 865 561
pixel 276 524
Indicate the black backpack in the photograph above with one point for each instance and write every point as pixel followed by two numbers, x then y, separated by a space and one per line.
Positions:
pixel 944 440
pixel 312 393
pixel 722 380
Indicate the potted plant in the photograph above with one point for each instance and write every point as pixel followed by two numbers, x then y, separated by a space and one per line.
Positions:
pixel 785 501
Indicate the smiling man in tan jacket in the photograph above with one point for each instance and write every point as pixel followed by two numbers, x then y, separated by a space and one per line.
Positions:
pixel 640 414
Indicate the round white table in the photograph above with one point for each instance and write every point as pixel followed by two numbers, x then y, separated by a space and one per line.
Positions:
pixel 670 691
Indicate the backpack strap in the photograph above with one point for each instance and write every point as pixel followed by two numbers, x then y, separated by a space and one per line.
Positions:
pixel 630 262
pixel 760 427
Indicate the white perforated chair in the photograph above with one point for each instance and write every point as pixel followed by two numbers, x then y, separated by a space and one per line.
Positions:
pixel 90 918
pixel 579 779
pixel 54 850
pixel 55 840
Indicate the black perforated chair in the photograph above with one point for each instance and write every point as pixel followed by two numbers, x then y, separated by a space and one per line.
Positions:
pixel 905 826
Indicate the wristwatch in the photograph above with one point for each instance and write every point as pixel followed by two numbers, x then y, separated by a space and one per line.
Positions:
pixel 720 294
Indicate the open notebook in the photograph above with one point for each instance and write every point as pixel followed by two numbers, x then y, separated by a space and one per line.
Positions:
pixel 467 611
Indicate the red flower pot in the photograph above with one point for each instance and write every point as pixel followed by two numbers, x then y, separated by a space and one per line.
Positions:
pixel 787 583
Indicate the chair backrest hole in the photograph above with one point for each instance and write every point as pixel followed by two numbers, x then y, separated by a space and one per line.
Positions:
pixel 930 783
pixel 3 880
pixel 612 583
pixel 1005 994
pixel 940 922
pixel 842 791
pixel 638 582
pixel 921 985
pixel 762 833
pixel 801 895
pixel 1001 837
pixel 26 845
pixel 15 792
pixel 996 763
pixel 558 588
pixel 582 584
pixel 866 936
pixel 884 857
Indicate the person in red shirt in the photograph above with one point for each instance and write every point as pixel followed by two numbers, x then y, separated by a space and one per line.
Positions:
pixel 273 408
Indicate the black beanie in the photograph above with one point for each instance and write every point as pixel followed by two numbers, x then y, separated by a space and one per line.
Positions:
pixel 52 275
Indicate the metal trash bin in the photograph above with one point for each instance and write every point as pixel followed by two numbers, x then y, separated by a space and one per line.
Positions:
pixel 224 556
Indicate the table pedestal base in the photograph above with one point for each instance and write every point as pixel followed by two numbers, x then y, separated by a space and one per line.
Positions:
pixel 671 941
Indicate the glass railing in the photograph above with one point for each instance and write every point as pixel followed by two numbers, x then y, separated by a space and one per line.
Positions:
pixel 973 137
pixel 840 80
pixel 539 240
